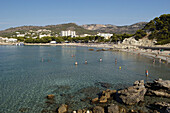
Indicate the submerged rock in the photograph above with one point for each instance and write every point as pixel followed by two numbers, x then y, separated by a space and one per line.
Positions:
pixel 108 93
pixel 133 94
pixel 104 85
pixel 51 96
pixel 103 99
pixel 63 108
pixel 91 49
pixel 95 99
pixel 98 109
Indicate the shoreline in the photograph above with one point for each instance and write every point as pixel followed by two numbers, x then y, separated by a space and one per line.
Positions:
pixel 164 55
pixel 145 52
pixel 141 97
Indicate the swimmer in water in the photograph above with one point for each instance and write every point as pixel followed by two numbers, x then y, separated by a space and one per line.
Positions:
pixel 146 73
pixel 76 63
pixel 85 61
pixel 100 60
pixel 153 61
pixel 116 61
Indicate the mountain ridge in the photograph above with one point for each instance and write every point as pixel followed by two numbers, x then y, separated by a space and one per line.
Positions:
pixel 80 29
pixel 130 29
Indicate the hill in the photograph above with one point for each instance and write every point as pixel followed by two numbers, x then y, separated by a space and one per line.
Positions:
pixel 158 28
pixel 84 29
pixel 54 28
pixel 108 28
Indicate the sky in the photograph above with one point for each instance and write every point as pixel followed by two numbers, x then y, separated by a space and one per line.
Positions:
pixel 15 13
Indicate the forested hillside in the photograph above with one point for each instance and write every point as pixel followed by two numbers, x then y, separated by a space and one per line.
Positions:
pixel 158 28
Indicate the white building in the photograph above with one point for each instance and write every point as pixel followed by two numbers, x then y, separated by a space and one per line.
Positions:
pixel 84 35
pixel 43 30
pixel 12 40
pixel 53 42
pixel 34 37
pixel 20 35
pixel 8 40
pixel 105 35
pixel 68 33
pixel 44 35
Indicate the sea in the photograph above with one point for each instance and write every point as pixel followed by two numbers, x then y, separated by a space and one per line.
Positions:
pixel 29 73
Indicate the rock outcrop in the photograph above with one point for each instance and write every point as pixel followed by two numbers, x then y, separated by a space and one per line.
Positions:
pixel 162 107
pixel 113 108
pixel 98 109
pixel 159 88
pixel 106 95
pixel 133 94
pixel 116 109
pixel 141 42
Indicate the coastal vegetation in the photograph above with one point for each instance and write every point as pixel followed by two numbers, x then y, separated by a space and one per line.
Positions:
pixel 64 39
pixel 158 28
pixel 87 39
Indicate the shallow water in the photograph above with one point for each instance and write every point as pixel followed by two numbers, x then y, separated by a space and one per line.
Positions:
pixel 25 80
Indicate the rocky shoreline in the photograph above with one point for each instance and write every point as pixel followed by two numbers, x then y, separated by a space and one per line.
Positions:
pixel 139 98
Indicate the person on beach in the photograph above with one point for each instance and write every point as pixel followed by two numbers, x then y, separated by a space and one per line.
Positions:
pixel 115 61
pixel 160 60
pixel 42 60
pixel 167 60
pixel 153 61
pixel 156 55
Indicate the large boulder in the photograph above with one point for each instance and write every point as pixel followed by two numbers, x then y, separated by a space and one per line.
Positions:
pixel 79 111
pixel 133 94
pixel 162 107
pixel 63 108
pixel 162 83
pixel 98 109
pixel 159 88
pixel 113 108
pixel 116 109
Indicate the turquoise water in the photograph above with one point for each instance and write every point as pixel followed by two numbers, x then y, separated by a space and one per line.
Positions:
pixel 25 80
